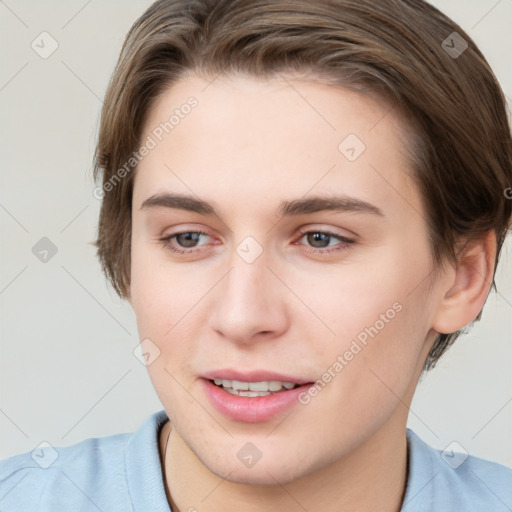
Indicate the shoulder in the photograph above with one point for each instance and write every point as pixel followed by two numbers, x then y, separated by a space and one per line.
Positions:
pixel 453 480
pixel 27 478
pixel 90 474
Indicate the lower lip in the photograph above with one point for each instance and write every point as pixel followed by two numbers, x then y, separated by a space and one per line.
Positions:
pixel 252 409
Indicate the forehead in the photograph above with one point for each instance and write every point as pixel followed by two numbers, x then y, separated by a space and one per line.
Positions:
pixel 252 138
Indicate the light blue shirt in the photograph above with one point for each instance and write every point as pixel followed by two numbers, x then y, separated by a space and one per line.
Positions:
pixel 122 473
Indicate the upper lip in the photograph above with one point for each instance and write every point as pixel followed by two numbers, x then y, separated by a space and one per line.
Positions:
pixel 252 376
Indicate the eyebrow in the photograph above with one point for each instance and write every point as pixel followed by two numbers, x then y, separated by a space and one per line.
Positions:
pixel 301 206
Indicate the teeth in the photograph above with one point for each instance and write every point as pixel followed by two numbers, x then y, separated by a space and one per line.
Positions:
pixel 254 386
pixel 274 385
pixel 247 393
pixel 241 386
pixel 259 388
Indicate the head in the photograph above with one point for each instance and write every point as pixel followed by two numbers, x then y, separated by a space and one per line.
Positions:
pixel 251 108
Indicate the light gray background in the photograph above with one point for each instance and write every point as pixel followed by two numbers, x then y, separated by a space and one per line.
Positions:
pixel 67 371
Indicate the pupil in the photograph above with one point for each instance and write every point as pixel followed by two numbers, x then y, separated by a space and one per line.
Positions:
pixel 189 239
pixel 318 237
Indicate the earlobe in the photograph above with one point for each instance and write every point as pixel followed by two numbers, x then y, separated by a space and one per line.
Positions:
pixel 468 286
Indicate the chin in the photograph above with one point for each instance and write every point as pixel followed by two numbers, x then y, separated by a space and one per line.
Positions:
pixel 262 475
pixel 271 470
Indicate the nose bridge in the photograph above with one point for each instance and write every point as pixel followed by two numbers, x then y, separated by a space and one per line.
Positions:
pixel 248 269
pixel 248 300
pixel 247 283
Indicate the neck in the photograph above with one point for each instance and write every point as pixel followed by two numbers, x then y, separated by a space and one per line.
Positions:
pixel 373 477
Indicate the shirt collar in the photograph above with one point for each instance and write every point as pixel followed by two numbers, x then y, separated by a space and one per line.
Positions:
pixel 144 469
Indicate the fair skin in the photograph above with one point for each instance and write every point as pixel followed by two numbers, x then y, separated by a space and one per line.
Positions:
pixel 248 146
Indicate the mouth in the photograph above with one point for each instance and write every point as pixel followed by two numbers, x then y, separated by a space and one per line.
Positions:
pixel 253 396
pixel 253 389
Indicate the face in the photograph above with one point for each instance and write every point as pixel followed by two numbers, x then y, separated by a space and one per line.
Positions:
pixel 300 257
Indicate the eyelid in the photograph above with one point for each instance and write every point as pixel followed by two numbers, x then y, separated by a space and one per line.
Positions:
pixel 185 228
pixel 346 233
pixel 302 231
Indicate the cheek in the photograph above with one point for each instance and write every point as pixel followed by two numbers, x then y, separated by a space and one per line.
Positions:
pixel 168 302
pixel 368 368
pixel 159 290
pixel 380 317
pixel 367 300
pixel 163 299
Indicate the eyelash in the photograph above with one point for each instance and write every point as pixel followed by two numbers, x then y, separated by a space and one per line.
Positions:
pixel 344 242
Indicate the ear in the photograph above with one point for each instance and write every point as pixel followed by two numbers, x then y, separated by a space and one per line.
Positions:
pixel 467 285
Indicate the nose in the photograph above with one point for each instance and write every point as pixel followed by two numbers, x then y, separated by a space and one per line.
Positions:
pixel 250 303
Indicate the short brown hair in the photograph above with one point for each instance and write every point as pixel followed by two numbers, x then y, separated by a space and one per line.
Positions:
pixel 404 50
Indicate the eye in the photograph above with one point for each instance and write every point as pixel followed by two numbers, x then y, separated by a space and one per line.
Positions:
pixel 186 241
pixel 321 241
